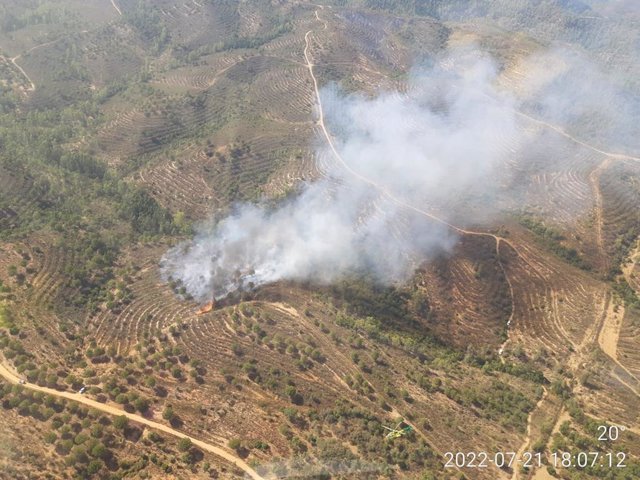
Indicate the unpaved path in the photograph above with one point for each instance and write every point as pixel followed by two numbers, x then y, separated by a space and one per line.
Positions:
pixel 527 439
pixel 11 377
pixel 32 85
pixel 513 309
pixel 594 179
pixel 542 473
pixel 116 7
pixel 14 60
pixel 618 156
pixel 608 337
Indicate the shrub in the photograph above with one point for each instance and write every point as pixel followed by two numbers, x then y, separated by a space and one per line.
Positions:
pixel 168 413
pixel 94 467
pixel 184 444
pixel 235 444
pixel 121 422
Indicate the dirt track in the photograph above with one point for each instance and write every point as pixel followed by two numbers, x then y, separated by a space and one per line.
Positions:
pixel 608 338
pixel 14 60
pixel 527 440
pixel 618 156
pixel 11 377
pixel 116 7
pixel 594 178
pixel 15 64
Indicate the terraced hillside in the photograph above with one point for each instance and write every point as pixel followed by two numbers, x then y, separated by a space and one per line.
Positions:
pixel 130 126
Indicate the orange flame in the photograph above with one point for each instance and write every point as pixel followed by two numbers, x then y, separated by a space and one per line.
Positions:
pixel 207 307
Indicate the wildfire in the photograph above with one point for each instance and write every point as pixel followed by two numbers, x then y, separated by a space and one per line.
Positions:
pixel 207 307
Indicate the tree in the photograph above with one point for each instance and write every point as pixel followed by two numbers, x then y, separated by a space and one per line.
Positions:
pixel 64 447
pixel 235 444
pixel 50 437
pixel 97 430
pixel 290 391
pixel 121 422
pixel 100 451
pixel 168 413
pixel 184 444
pixel 94 467
pixel 141 404
pixel 145 214
pixel 80 438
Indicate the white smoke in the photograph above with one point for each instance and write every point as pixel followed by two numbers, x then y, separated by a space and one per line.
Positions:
pixel 429 146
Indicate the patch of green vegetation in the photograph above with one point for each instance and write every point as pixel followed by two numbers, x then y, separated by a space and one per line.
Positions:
pixel 628 295
pixel 75 194
pixel 364 297
pixel 13 349
pixel 5 316
pixel 494 364
pixel 622 246
pixel 497 401
pixel 145 215
pixel 148 22
pixel 88 277
pixel 12 18
pixel 184 55
pixel 552 240
pixel 581 435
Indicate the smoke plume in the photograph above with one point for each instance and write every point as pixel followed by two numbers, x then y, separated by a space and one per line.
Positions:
pixel 427 147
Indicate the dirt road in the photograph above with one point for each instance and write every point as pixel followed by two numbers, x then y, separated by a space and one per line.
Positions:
pixel 527 440
pixel 618 156
pixel 32 87
pixel 116 7
pixel 11 377
pixel 608 337
pixel 14 60
pixel 594 179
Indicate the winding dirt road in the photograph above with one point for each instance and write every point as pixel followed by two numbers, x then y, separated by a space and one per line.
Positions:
pixel 11 377
pixel 14 60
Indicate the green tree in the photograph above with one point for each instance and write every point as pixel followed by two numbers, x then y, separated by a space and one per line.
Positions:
pixel 121 422
pixel 141 404
pixel 168 413
pixel 100 451
pixel 235 444
pixel 184 444
pixel 94 467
